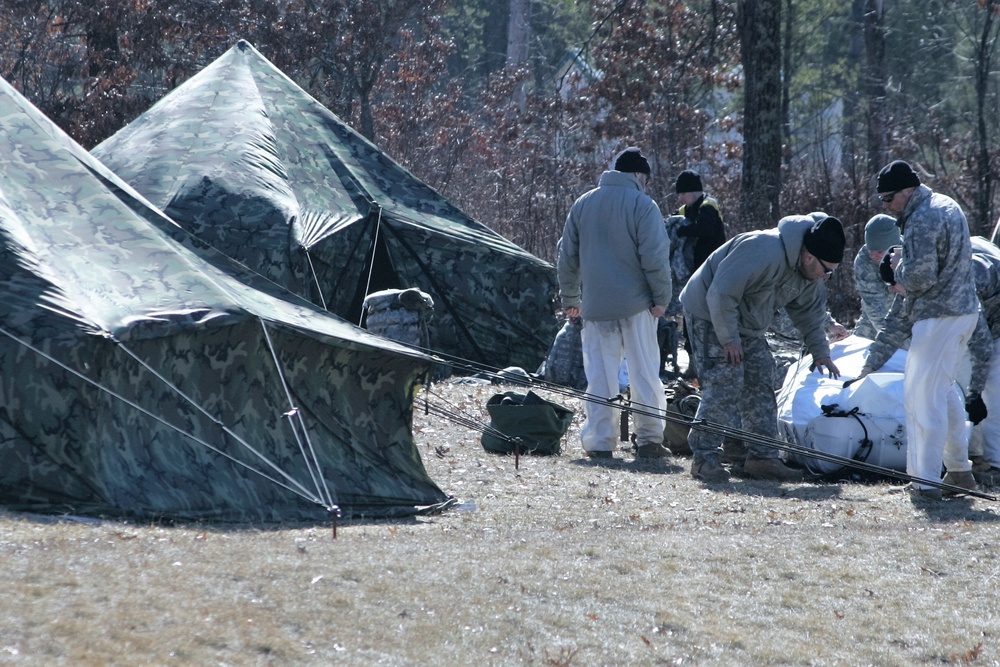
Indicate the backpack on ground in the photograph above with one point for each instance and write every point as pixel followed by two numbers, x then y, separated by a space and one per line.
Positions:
pixel 564 362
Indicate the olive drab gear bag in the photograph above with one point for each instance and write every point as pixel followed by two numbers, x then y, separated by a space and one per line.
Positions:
pixel 683 400
pixel 540 424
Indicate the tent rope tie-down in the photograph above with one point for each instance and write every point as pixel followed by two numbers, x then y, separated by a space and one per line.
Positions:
pixel 457 415
pixel 291 484
pixel 371 252
pixel 312 270
pixel 314 497
pixel 294 416
pixel 709 427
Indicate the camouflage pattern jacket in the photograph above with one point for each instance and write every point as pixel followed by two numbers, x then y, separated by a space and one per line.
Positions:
pixel 986 271
pixel 935 268
pixel 681 262
pixel 614 255
pixel 875 298
pixel 743 283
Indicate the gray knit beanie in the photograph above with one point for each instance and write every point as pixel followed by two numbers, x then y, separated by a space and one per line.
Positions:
pixel 881 233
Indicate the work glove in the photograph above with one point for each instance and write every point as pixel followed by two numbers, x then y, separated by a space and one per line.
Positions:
pixel 885 270
pixel 976 408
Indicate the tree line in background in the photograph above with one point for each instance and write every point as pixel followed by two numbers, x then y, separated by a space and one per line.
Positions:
pixel 511 109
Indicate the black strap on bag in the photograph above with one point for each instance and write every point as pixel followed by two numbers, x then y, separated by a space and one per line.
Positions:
pixel 866 444
pixel 861 455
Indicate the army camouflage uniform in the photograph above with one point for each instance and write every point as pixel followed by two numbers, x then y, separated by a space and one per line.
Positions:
pixel 681 262
pixel 984 349
pixel 895 330
pixel 876 299
pixel 739 397
pixel 942 308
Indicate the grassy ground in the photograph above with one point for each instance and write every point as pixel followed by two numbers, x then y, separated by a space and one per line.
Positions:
pixel 557 562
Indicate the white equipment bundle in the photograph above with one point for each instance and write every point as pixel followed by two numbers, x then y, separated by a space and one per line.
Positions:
pixel 864 421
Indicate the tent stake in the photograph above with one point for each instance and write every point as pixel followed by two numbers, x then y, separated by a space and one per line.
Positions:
pixel 334 514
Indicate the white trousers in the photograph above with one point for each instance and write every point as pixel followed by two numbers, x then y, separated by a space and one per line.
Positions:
pixel 605 343
pixel 988 430
pixel 936 427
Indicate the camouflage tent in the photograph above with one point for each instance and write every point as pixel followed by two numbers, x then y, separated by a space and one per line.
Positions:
pixel 138 379
pixel 251 164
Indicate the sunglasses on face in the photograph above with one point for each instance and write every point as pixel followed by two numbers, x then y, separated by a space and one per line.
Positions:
pixel 826 269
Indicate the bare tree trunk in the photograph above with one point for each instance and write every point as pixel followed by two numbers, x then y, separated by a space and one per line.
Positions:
pixel 852 98
pixel 983 215
pixel 365 78
pixel 759 25
pixel 494 36
pixel 787 73
pixel 102 40
pixel 875 84
pixel 518 31
pixel 365 117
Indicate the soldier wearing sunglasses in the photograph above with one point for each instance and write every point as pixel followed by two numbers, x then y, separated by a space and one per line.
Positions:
pixel 729 303
pixel 934 271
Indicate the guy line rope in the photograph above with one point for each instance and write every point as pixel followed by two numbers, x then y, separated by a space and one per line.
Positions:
pixel 698 424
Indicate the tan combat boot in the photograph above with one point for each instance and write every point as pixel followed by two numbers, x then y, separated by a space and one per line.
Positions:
pixel 652 450
pixel 709 470
pixel 963 480
pixel 772 469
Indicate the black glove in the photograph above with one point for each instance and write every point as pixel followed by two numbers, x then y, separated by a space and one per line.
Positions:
pixel 885 269
pixel 976 408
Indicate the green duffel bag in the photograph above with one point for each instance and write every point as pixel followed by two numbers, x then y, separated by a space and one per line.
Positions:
pixel 540 424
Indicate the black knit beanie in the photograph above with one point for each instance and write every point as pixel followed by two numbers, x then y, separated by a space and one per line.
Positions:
pixel 895 176
pixel 825 240
pixel 631 160
pixel 688 181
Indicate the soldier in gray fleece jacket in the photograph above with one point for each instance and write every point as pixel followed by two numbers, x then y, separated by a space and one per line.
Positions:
pixel 614 272
pixel 729 303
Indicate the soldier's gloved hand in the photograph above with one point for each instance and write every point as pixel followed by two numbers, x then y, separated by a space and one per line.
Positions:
pixel 976 408
pixel 885 270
